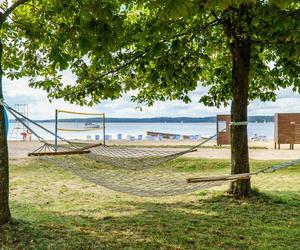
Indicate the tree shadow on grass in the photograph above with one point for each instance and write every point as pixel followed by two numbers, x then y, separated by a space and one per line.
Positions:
pixel 213 222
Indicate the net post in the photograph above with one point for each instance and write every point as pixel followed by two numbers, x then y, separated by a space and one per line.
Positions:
pixel 56 118
pixel 103 129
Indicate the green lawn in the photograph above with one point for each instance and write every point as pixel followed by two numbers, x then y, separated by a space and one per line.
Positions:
pixel 54 209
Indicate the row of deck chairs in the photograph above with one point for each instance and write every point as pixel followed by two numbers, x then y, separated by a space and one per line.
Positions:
pixel 143 138
pixel 120 137
pixel 256 137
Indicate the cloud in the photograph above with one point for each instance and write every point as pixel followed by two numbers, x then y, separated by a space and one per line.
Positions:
pixel 40 107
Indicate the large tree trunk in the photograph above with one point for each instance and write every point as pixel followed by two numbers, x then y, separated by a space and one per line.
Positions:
pixel 4 178
pixel 241 50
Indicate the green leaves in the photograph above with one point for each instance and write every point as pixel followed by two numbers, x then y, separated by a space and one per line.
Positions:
pixel 160 49
pixel 177 8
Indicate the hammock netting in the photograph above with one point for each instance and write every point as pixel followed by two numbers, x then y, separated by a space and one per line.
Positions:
pixel 133 158
pixel 138 171
pixel 154 182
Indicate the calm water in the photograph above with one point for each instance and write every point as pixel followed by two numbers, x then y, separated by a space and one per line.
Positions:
pixel 134 129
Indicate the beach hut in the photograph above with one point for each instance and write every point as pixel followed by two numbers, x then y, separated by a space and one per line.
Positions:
pixel 223 129
pixel 287 129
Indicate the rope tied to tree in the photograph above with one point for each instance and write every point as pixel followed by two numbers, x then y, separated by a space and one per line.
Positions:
pixel 242 123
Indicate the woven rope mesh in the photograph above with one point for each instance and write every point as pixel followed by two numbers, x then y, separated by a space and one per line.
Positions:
pixel 159 181
pixel 133 158
pixel 123 157
pixel 154 181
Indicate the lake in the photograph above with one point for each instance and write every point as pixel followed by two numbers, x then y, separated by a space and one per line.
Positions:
pixel 135 129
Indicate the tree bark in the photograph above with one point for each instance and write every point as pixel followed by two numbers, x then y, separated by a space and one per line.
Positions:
pixel 5 216
pixel 240 46
pixel 241 54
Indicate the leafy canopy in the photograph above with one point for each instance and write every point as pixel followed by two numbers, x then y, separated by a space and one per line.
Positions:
pixel 160 49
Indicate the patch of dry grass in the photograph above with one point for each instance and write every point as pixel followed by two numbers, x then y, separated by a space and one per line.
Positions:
pixel 54 209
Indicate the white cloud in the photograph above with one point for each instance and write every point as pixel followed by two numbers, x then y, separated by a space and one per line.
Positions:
pixel 40 108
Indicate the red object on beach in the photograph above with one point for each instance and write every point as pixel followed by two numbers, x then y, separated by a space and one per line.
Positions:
pixel 24 134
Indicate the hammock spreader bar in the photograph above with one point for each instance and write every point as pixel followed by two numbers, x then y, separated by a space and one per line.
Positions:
pixel 234 177
pixel 220 178
pixel 72 152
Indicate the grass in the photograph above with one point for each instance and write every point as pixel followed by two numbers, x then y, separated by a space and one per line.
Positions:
pixel 54 209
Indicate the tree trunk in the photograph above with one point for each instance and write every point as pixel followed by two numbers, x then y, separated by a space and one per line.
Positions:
pixel 241 50
pixel 4 177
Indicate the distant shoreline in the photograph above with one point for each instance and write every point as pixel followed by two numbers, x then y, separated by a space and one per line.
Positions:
pixel 209 119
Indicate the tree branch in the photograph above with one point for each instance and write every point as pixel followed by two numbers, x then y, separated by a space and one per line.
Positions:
pixel 219 20
pixel 140 55
pixel 10 9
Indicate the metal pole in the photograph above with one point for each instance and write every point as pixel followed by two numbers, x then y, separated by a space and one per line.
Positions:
pixel 103 129
pixel 56 116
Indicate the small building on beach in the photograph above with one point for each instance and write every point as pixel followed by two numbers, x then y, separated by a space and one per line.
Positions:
pixel 287 129
pixel 223 130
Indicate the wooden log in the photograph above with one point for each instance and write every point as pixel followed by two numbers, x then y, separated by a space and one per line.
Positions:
pixel 220 178
pixel 73 152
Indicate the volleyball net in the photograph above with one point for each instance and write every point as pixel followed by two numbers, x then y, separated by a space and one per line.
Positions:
pixel 80 125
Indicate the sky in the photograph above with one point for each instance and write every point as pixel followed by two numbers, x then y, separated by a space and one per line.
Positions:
pixel 18 92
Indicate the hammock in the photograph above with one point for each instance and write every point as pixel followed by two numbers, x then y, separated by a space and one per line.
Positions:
pixel 158 181
pixel 137 171
pixel 134 158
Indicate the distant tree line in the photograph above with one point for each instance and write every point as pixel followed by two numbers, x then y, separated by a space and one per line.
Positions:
pixel 259 119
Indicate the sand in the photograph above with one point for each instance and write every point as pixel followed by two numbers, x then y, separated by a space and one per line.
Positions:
pixel 262 151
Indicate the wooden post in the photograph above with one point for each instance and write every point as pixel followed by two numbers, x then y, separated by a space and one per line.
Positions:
pixel 56 118
pixel 103 129
pixel 217 132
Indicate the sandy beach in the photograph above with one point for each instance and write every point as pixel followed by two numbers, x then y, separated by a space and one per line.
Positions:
pixel 258 150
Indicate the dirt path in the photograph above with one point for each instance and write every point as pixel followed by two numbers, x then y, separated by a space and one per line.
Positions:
pixel 20 149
